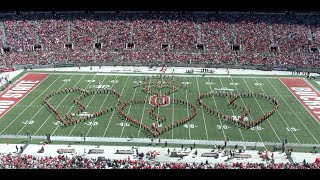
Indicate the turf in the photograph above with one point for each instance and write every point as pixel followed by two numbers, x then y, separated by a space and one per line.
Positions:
pixel 291 120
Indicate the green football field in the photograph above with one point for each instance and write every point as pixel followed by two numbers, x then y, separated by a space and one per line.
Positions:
pixel 291 120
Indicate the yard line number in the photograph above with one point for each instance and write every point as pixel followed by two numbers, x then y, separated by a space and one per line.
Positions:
pixel 210 83
pixel 91 81
pixel 27 122
pixel 190 126
pixel 57 123
pixel 66 80
pixel 114 81
pixel 292 129
pixel 222 127
pixel 258 84
pixel 123 124
pixel 91 123
pixel 257 128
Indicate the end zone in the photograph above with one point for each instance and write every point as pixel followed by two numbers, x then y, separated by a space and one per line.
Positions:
pixel 15 93
pixel 307 95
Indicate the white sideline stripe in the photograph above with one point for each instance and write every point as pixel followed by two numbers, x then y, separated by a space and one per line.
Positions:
pixel 279 111
pixel 262 111
pixel 74 126
pixel 26 107
pixel 50 114
pixel 101 105
pixel 40 108
pixel 297 115
pixel 115 110
pixel 135 90
pixel 204 120
pixel 147 140
pixel 231 108
pixel 144 108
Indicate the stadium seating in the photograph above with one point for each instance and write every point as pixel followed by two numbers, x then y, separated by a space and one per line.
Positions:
pixel 173 38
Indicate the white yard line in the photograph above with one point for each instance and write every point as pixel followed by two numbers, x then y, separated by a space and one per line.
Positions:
pixel 263 112
pixel 116 109
pixel 295 112
pixel 74 126
pixel 101 106
pixel 144 108
pixel 27 106
pixel 204 120
pixel 41 106
pixel 214 100
pixel 172 112
pixel 231 108
pixel 188 111
pixel 56 108
pixel 134 94
pixel 280 113
pixel 160 93
pixel 249 114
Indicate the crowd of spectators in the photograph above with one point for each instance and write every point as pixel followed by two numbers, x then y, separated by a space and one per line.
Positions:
pixel 216 33
pixel 252 33
pixel 187 38
pixel 10 161
pixel 145 27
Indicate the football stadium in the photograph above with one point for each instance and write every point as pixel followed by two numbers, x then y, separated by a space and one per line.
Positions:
pixel 171 90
